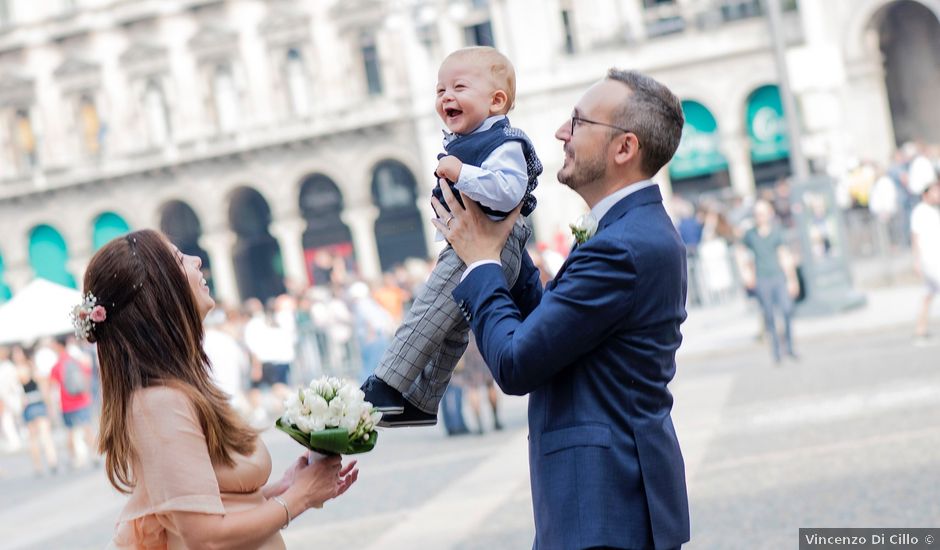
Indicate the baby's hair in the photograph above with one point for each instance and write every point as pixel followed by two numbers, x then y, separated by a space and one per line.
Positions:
pixel 501 69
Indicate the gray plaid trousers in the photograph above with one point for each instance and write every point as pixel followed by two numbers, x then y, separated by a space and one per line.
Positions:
pixel 421 358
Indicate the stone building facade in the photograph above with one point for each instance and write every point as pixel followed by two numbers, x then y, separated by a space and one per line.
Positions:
pixel 266 135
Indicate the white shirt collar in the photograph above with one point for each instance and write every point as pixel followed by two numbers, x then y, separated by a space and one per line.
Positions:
pixel 604 205
pixel 486 125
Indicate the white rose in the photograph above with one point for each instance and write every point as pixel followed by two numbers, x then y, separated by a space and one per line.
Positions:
pixel 304 424
pixel 335 413
pixel 317 406
pixel 351 393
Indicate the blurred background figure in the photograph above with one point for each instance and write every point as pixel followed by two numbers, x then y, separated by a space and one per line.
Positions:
pixel 768 267
pixel 476 378
pixel 272 352
pixel 230 361
pixel 11 403
pixel 333 318
pixel 73 377
pixel 36 413
pixel 373 327
pixel 451 409
pixel 925 240
pixel 391 296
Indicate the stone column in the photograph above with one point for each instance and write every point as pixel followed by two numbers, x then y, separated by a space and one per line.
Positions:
pixel 18 277
pixel 361 222
pixel 218 244
pixel 737 150
pixel 77 265
pixel 289 233
pixel 17 272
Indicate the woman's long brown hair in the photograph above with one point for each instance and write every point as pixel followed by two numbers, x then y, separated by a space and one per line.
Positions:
pixel 153 336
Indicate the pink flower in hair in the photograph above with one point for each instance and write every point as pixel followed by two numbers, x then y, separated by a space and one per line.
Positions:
pixel 98 314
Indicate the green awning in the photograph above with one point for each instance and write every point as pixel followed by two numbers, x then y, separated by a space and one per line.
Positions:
pixel 49 256
pixel 5 293
pixel 699 150
pixel 108 226
pixel 766 125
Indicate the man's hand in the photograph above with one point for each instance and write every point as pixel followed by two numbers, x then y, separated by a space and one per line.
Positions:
pixel 449 168
pixel 472 235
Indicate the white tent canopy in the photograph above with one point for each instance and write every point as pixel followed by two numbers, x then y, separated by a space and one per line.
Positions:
pixel 40 309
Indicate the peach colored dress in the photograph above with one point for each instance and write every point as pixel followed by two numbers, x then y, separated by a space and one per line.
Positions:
pixel 174 474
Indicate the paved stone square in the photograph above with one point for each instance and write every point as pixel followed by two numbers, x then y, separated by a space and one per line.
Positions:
pixel 846 437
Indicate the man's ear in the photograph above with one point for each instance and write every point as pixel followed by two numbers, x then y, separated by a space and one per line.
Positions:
pixel 628 148
pixel 498 102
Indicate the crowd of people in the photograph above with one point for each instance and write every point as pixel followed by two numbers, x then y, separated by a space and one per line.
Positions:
pixel 258 352
pixel 885 211
pixel 46 386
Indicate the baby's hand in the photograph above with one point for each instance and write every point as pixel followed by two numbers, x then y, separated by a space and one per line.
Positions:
pixel 449 168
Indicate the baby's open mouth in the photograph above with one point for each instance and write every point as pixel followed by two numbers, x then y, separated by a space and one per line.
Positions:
pixel 452 112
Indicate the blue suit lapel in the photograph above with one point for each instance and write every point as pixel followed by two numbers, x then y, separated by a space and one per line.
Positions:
pixel 644 196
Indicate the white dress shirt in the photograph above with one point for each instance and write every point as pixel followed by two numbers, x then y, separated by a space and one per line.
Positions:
pixel 500 181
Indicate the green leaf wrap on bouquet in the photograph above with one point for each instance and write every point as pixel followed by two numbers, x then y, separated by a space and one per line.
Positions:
pixel 333 441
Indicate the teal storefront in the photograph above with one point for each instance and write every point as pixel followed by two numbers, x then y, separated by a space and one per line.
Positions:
pixel 107 227
pixel 5 293
pixel 698 165
pixel 48 256
pixel 767 133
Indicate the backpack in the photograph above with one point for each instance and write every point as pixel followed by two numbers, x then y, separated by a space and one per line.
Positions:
pixel 74 379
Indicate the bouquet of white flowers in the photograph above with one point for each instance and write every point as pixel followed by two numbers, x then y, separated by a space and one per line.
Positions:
pixel 330 416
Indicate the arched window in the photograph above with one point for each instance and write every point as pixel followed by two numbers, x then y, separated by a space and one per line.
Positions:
pixel 767 133
pixel 257 255
pixel 108 226
pixel 48 256
pixel 295 76
pixel 399 229
pixel 5 293
pixel 698 165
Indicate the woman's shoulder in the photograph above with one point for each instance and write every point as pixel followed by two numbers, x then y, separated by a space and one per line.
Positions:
pixel 160 399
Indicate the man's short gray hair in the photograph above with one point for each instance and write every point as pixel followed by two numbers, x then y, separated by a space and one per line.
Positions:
pixel 654 114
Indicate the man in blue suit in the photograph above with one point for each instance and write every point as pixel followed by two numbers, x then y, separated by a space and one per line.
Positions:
pixel 595 349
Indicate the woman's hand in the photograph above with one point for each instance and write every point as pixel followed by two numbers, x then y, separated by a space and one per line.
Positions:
pixel 315 483
pixel 287 480
pixel 347 476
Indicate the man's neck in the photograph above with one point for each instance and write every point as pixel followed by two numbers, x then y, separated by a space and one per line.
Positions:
pixel 594 194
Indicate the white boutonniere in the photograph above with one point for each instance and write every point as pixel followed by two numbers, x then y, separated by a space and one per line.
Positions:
pixel 584 228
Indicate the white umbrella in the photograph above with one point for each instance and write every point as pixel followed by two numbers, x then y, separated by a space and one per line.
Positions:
pixel 40 309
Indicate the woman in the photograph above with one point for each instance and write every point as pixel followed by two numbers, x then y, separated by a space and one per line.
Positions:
pixel 35 412
pixel 195 471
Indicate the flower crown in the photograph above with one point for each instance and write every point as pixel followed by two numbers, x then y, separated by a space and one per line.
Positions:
pixel 86 315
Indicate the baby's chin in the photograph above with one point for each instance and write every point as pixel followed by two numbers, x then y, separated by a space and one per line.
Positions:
pixel 461 125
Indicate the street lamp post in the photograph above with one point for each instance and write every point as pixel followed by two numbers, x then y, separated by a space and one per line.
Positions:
pixel 798 164
pixel 824 263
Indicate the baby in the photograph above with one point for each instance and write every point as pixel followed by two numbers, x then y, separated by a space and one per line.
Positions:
pixel 493 164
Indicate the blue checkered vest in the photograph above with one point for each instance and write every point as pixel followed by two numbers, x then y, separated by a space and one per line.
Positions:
pixel 474 148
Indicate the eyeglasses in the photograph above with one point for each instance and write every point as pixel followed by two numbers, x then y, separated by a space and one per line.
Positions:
pixel 575 119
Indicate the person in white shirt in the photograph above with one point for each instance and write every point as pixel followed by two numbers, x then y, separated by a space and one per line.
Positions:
pixel 925 245
pixel 272 350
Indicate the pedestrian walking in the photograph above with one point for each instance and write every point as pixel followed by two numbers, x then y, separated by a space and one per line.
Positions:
pixel 768 268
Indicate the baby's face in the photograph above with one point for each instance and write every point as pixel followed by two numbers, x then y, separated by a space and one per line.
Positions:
pixel 465 93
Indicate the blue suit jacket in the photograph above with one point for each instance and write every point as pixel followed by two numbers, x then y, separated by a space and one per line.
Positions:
pixel 595 350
